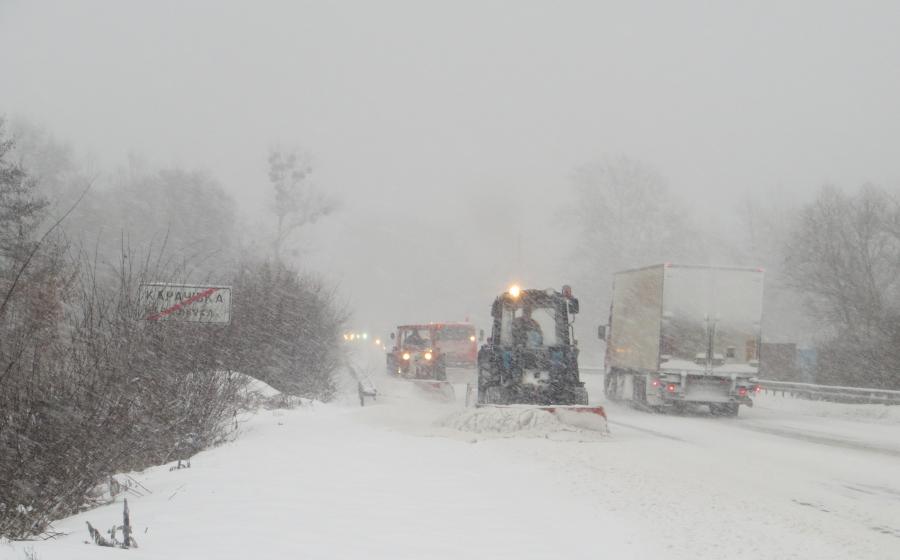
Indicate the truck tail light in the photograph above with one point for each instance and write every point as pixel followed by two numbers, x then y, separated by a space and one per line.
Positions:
pixel 742 391
pixel 655 383
pixel 671 387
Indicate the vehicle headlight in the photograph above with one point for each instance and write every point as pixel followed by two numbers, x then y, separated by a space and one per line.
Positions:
pixel 406 355
pixel 427 355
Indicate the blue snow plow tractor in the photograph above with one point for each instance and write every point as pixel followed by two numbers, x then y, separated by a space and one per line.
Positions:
pixel 531 357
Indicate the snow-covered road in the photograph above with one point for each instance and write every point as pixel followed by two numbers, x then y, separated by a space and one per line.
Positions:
pixel 784 480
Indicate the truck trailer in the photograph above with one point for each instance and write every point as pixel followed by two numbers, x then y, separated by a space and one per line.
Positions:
pixel 680 335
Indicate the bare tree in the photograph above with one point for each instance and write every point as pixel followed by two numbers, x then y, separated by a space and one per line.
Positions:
pixel 297 202
pixel 844 254
pixel 624 216
pixel 285 329
pixel 763 229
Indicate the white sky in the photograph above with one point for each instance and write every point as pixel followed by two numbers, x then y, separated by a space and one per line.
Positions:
pixel 464 120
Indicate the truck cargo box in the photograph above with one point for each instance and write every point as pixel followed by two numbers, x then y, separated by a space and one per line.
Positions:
pixel 686 319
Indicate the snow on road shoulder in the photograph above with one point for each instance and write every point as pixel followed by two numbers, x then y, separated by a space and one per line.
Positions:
pixel 323 482
pixel 408 477
pixel 873 413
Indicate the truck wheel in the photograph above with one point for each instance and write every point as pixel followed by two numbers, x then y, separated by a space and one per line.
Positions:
pixel 609 385
pixel 483 381
pixel 492 395
pixel 581 396
pixel 639 389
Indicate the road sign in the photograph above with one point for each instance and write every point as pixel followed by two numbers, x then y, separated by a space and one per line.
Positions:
pixel 180 302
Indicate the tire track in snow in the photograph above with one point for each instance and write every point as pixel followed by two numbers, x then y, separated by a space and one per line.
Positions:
pixel 821 439
pixel 646 430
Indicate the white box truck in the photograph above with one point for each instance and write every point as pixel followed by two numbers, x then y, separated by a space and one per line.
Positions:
pixel 681 335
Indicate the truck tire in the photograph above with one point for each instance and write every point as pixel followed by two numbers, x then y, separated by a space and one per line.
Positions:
pixel 581 396
pixel 482 379
pixel 639 389
pixel 492 395
pixel 610 383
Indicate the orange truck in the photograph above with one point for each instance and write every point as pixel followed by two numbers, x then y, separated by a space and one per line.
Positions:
pixel 425 351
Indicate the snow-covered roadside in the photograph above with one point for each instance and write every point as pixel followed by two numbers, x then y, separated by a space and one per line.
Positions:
pixel 396 479
pixel 321 483
pixel 873 413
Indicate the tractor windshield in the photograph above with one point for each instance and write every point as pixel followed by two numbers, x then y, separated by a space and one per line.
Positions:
pixel 531 326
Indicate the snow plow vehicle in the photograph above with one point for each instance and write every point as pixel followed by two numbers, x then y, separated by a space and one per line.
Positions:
pixel 530 360
pixel 683 335
pixel 457 343
pixel 417 357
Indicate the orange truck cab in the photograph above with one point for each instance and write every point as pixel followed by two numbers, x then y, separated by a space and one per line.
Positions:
pixel 425 351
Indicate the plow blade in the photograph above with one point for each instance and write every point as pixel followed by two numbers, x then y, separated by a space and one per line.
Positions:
pixel 513 418
pixel 523 416
pixel 585 417
pixel 438 390
pixel 580 416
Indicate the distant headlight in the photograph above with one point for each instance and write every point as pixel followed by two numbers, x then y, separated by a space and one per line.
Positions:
pixel 406 355
pixel 427 355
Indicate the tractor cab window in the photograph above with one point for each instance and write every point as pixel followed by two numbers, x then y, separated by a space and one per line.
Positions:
pixel 528 326
pixel 415 338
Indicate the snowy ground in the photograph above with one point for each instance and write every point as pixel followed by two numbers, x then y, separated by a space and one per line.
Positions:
pixel 396 480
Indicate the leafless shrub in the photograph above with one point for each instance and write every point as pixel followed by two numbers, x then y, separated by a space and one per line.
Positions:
pixel 285 330
pixel 844 254
pixel 88 389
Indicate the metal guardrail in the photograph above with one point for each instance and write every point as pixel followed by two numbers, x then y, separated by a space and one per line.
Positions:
pixel 810 391
pixel 831 393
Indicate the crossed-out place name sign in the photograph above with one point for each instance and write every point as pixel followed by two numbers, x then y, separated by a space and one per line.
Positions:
pixel 180 302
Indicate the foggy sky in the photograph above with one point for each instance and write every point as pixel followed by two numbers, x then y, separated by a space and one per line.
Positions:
pixel 450 130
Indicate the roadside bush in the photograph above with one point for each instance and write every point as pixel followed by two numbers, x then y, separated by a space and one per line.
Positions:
pixel 86 389
pixel 110 393
pixel 89 389
pixel 285 329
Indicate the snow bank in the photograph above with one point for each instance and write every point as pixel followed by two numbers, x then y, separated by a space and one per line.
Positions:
pixel 259 394
pixel 874 413
pixel 261 388
pixel 328 484
pixel 520 421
